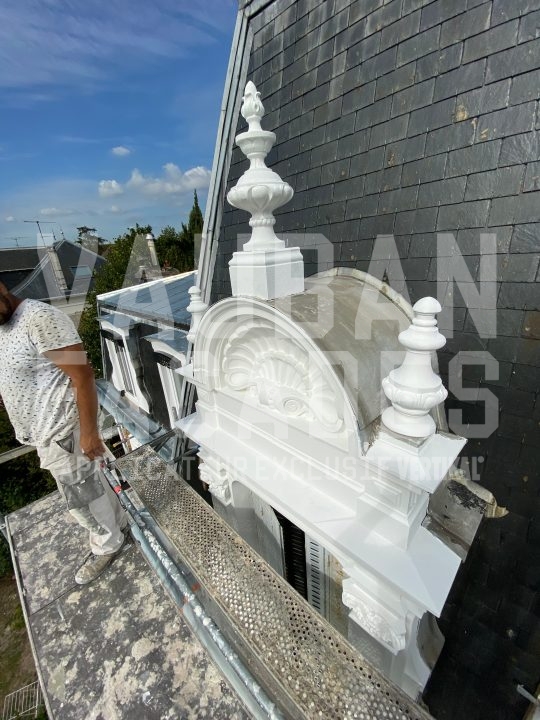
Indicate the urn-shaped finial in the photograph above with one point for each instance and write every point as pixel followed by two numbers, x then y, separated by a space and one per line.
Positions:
pixel 413 388
pixel 260 190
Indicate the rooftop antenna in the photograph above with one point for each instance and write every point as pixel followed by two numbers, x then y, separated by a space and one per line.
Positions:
pixel 42 222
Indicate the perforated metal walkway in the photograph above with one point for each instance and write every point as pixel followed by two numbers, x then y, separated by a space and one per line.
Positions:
pixel 310 670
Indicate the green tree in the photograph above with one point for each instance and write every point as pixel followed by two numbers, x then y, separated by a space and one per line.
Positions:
pixel 177 247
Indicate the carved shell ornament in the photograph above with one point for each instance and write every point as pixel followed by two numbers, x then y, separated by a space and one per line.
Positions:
pixel 274 372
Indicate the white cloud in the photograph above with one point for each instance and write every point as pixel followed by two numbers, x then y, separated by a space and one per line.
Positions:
pixel 55 212
pixel 115 209
pixel 173 181
pixel 120 151
pixel 108 188
pixel 9 218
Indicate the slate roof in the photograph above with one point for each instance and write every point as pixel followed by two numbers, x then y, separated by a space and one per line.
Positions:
pixel 28 272
pixel 164 300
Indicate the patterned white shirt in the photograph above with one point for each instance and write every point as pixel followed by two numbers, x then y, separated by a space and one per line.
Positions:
pixel 36 393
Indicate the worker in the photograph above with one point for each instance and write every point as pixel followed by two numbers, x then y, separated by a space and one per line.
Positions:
pixel 48 389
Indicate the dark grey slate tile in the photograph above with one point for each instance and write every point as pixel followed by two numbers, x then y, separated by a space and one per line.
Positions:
pixel 532 177
pixel 383 16
pixel 441 10
pixel 324 153
pixel 514 61
pixel 441 192
pixel 473 159
pixel 525 87
pixel 510 121
pixel 465 25
pixel 503 11
pixel 349 188
pixel 335 24
pixel 520 149
pixel 494 183
pixel 381 64
pixel 400 30
pixel 466 77
pixel 360 207
pixel 358 98
pixel 398 200
pixel 397 80
pixel 360 10
pixel 332 213
pixel 389 131
pixel 373 114
pixel 417 96
pixel 411 5
pixel 518 268
pixel 524 296
pixel 341 127
pixel 439 62
pixel 484 100
pixel 463 215
pixel 416 221
pixel 484 240
pixel 517 209
pixel 451 137
pixel 405 150
pixel 335 171
pixel 383 180
pixel 375 225
pixel 528 26
pixel 367 162
pixel 432 117
pixel 490 42
pixel 365 48
pixel 526 238
pixel 418 46
pixel 425 170
pixel 531 324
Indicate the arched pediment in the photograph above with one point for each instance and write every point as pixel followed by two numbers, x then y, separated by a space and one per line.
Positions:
pixel 252 352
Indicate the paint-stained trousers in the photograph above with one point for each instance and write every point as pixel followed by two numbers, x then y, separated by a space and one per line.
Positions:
pixel 88 495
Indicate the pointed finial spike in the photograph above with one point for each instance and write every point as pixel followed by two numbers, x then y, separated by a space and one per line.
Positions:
pixel 252 107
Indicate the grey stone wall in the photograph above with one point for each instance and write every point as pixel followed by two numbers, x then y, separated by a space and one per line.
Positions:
pixel 413 117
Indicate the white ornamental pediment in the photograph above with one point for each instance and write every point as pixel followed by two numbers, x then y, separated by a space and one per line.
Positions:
pixel 249 350
pixel 275 372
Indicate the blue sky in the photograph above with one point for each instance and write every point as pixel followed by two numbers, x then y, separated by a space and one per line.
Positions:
pixel 109 111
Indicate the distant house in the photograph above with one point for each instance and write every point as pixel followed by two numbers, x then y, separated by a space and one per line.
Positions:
pixel 59 273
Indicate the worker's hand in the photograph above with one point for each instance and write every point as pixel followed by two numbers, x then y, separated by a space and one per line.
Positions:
pixel 92 445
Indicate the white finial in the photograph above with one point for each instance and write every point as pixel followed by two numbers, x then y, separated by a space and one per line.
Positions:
pixel 252 108
pixel 197 308
pixel 257 270
pixel 260 190
pixel 413 388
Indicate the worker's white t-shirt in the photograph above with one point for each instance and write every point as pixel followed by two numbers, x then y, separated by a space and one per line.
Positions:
pixel 36 393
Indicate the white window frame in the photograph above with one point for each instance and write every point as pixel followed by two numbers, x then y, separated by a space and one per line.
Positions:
pixel 119 326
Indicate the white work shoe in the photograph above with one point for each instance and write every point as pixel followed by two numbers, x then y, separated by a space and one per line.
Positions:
pixel 93 566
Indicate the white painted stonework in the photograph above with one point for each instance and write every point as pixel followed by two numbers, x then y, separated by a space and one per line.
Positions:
pixel 119 325
pixel 265 268
pixel 294 417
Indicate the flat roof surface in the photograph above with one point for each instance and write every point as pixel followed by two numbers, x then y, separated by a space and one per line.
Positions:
pixel 115 649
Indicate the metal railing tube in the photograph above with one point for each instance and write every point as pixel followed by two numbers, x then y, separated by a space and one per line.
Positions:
pixel 196 617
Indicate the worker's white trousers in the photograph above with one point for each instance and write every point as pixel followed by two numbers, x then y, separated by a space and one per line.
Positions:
pixel 88 495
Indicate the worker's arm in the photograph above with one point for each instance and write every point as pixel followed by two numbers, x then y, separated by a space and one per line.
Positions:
pixel 73 362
